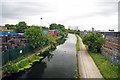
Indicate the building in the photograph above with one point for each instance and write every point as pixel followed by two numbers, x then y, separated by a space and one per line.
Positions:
pixel 52 33
pixel 92 29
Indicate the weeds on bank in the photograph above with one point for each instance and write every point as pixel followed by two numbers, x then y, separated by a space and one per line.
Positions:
pixel 77 43
pixel 107 69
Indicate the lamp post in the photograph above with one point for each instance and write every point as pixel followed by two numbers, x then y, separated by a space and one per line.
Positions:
pixel 41 22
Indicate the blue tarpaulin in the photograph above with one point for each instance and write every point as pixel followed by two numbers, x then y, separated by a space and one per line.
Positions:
pixel 45 31
pixel 9 33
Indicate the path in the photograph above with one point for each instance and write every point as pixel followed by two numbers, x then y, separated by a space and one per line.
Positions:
pixel 87 67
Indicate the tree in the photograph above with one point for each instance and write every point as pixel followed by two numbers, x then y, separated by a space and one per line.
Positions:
pixel 62 29
pixel 21 26
pixel 53 26
pixel 58 27
pixel 76 32
pixel 11 27
pixel 94 41
pixel 36 37
pixel 7 26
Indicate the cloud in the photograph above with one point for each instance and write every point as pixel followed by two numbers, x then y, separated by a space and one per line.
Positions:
pixel 17 10
pixel 67 12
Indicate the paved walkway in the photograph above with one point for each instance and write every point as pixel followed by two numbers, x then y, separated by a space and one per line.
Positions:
pixel 87 67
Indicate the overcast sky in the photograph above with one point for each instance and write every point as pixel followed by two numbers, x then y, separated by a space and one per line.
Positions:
pixel 100 14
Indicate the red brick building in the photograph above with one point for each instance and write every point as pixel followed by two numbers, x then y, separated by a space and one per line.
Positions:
pixel 52 33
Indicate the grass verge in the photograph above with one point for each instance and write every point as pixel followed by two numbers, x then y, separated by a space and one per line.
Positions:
pixel 77 43
pixel 107 69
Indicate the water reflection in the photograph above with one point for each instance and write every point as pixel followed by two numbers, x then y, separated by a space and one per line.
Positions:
pixel 60 63
pixel 50 56
pixel 61 41
pixel 63 63
pixel 38 69
pixel 47 55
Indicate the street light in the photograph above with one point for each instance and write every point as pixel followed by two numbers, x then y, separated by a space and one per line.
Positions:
pixel 41 22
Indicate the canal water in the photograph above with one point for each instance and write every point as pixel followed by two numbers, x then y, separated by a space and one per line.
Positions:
pixel 60 63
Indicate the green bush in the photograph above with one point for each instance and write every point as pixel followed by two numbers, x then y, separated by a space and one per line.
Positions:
pixel 94 41
pixel 34 59
pixel 30 60
pixel 36 37
pixel 23 63
pixel 10 67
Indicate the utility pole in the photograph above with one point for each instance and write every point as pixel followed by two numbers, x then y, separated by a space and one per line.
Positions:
pixel 41 22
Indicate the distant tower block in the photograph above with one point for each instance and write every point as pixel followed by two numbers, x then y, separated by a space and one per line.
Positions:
pixel 69 27
pixel 119 16
pixel 73 27
pixel 92 29
pixel 76 27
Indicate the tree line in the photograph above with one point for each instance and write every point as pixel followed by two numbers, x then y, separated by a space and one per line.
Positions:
pixel 34 34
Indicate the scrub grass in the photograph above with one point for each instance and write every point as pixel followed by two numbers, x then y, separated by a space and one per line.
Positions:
pixel 77 44
pixel 12 67
pixel 107 69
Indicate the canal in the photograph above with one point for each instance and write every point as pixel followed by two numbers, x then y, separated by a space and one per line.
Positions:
pixel 60 63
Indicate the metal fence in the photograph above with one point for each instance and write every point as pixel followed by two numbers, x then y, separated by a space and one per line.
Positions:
pixel 15 53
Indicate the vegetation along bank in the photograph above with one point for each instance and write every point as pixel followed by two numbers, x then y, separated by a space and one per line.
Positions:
pixel 94 42
pixel 39 41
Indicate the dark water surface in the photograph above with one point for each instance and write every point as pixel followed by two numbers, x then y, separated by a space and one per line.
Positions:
pixel 60 63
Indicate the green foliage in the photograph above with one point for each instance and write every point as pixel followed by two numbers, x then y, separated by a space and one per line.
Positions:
pixel 10 27
pixel 77 44
pixel 23 63
pixel 34 59
pixel 45 28
pixel 21 26
pixel 53 26
pixel 36 37
pixel 77 32
pixel 26 63
pixel 94 41
pixel 74 31
pixel 10 67
pixel 108 69
pixel 59 27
